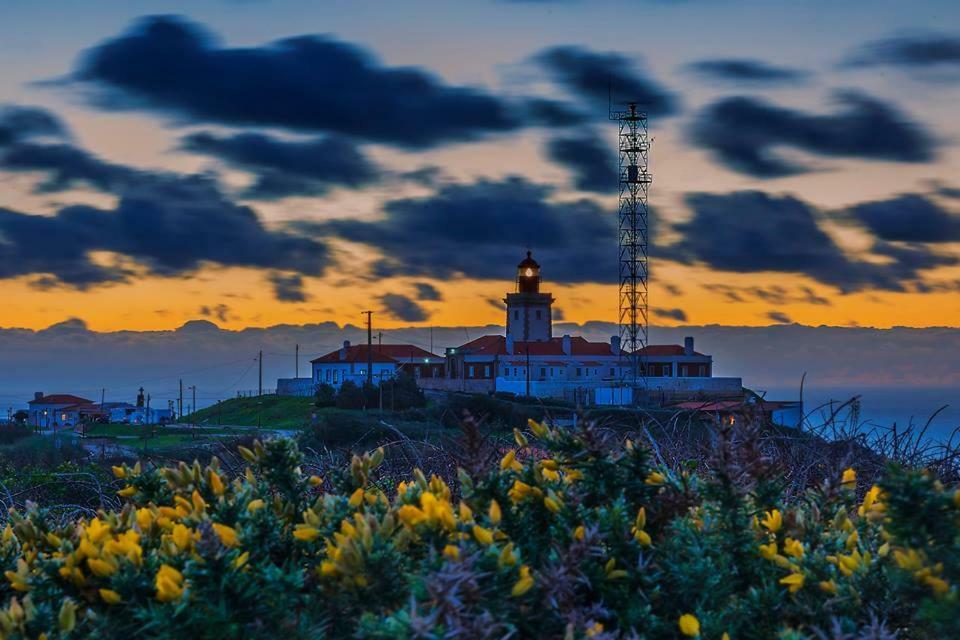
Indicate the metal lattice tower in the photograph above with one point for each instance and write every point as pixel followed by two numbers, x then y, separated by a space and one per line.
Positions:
pixel 634 147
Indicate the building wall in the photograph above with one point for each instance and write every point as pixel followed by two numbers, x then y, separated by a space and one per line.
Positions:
pixel 335 373
pixel 529 316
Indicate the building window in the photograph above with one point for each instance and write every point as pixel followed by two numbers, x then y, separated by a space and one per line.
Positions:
pixel 486 371
pixel 702 371
pixel 683 371
pixel 516 314
pixel 612 374
pixel 538 314
pixel 470 371
pixel 543 372
pixel 578 372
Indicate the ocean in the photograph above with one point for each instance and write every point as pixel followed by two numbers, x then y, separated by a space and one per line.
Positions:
pixel 884 406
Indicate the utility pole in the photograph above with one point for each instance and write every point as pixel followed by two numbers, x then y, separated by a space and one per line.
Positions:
pixel 369 315
pixel 379 341
pixel 431 339
pixel 180 405
pixel 296 368
pixel 260 384
pixel 193 428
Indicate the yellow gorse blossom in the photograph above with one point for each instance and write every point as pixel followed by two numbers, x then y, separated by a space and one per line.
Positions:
pixel 772 521
pixel 689 625
pixel 793 582
pixel 524 584
pixel 169 584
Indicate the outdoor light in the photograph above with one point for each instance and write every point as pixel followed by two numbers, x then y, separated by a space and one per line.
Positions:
pixel 529 272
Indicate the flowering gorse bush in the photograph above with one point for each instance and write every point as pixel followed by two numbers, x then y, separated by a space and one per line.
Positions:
pixel 572 534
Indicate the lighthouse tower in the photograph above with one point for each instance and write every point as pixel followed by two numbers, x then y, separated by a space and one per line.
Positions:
pixel 528 310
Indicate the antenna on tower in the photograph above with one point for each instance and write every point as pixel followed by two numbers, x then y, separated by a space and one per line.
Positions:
pixel 634 182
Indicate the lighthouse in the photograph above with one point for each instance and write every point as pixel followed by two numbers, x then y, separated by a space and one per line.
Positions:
pixel 529 312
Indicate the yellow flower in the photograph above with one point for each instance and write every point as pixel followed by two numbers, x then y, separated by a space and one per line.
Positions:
pixel 793 548
pixel 451 552
pixel 793 582
pixel 938 585
pixel 356 498
pixel 255 505
pixel 641 521
pixel 552 504
pixel 306 533
pixel 127 491
pixel 110 596
pixel 410 515
pixel 169 584
pixel 494 512
pixel 829 586
pixel 593 630
pixel 550 474
pixel 909 560
pixel 227 535
pixel 509 461
pixel 655 478
pixel 315 481
pixel 483 536
pixel 539 428
pixel 579 533
pixel 216 482
pixel 689 625
pixel 144 519
pixel 241 560
pixel 119 472
pixel 199 504
pixel 67 619
pixel 849 477
pixel 102 568
pixel 768 551
pixel 507 557
pixel 772 521
pixel 642 537
pixel 328 569
pixel 523 584
pixel 182 536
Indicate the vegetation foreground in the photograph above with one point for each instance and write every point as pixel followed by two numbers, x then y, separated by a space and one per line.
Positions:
pixel 569 534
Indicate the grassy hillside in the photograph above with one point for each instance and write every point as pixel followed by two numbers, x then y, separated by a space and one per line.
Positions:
pixel 278 412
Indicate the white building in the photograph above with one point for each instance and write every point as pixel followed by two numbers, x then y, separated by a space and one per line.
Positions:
pixel 351 362
pixel 529 360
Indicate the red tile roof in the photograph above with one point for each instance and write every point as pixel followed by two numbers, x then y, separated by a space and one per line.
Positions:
pixel 397 353
pixel 61 398
pixel 664 350
pixel 497 345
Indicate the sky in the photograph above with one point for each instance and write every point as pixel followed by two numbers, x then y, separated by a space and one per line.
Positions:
pixel 263 162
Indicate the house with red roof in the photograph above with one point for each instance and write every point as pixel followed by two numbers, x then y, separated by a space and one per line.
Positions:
pixel 384 361
pixel 59 409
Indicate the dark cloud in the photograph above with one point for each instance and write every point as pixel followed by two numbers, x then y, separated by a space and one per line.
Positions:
pixel 593 163
pixel 774 294
pixel 747 71
pixel 21 123
pixel 557 314
pixel 288 287
pixel 752 232
pixel 168 228
pixel 746 133
pixel 919 51
pixel 306 83
pixel 289 167
pixel 909 218
pixel 426 176
pixel 68 167
pixel 779 317
pixel 672 289
pixel 403 308
pixel 483 229
pixel 595 75
pixel 670 314
pixel 553 113
pixel 427 292
pixel 219 311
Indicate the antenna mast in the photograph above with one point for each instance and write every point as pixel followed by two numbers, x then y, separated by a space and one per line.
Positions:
pixel 634 147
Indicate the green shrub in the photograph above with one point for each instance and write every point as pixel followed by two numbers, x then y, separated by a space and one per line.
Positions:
pixel 326 396
pixel 569 535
